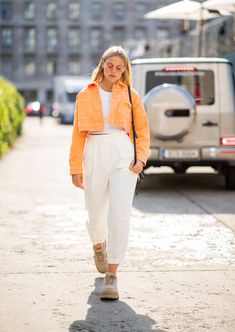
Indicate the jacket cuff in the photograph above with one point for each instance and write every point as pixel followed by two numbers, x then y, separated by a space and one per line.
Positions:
pixel 76 170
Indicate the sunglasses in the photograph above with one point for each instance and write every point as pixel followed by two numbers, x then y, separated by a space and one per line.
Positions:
pixel 111 66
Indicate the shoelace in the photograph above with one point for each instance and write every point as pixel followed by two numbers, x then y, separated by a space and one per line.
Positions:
pixel 109 280
pixel 100 257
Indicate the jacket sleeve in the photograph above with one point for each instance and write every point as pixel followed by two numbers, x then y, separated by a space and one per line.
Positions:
pixel 141 127
pixel 77 147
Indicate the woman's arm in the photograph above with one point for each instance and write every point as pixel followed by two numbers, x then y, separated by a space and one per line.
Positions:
pixel 141 128
pixel 77 147
pixel 77 180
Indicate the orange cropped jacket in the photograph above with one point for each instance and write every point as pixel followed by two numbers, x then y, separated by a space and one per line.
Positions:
pixel 89 117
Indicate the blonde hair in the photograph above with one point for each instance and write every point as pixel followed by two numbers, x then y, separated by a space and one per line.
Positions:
pixel 98 73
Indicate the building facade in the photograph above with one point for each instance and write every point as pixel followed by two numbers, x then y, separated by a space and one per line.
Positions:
pixel 43 38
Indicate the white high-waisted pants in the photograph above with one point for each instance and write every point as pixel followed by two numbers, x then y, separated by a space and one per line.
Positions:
pixel 109 188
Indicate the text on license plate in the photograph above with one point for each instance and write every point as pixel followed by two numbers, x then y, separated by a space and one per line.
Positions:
pixel 180 153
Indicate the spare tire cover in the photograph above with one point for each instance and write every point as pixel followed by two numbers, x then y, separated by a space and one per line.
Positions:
pixel 171 111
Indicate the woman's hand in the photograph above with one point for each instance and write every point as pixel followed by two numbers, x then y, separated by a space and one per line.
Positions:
pixel 77 180
pixel 138 167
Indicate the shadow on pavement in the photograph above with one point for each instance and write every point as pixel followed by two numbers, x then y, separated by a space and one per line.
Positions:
pixel 111 316
pixel 168 193
pixel 193 181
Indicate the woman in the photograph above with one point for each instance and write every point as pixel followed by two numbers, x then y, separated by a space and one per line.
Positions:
pixel 101 159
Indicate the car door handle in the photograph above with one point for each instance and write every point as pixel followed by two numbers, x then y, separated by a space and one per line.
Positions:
pixel 209 124
pixel 177 112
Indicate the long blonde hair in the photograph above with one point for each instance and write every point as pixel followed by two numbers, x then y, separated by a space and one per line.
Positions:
pixel 98 73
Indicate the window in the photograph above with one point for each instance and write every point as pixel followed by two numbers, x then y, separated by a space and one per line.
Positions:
pixel 140 10
pixel 95 58
pixel 140 34
pixel 96 10
pixel 96 40
pixel 29 40
pixel 6 10
pixel 51 10
pixel 52 40
pixel 74 10
pixel 50 96
pixel 199 83
pixel 74 40
pixel 7 38
pixel 118 35
pixel 74 66
pixel 163 33
pixel 29 95
pixel 7 67
pixel 29 10
pixel 51 67
pixel 119 10
pixel 29 67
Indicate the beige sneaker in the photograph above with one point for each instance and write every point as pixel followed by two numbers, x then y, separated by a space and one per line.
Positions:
pixel 100 258
pixel 110 290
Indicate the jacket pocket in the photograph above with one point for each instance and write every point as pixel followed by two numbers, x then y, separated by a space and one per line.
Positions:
pixel 126 148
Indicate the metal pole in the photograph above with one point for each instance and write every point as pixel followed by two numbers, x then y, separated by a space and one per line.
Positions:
pixel 200 32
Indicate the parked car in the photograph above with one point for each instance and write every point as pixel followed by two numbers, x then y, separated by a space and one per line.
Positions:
pixel 34 107
pixel 190 104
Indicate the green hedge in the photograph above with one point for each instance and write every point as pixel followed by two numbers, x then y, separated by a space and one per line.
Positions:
pixel 11 114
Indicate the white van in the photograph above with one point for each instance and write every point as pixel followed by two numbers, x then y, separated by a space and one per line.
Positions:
pixel 65 91
pixel 190 104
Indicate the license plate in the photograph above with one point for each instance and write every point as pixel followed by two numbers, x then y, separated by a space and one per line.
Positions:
pixel 180 153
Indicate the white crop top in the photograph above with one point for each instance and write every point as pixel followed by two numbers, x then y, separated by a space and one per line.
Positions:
pixel 105 97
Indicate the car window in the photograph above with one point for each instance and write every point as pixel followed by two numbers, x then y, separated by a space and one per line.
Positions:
pixel 71 97
pixel 199 83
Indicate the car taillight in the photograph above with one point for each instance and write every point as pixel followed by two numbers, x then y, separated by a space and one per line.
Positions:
pixel 227 141
pixel 179 68
pixel 28 110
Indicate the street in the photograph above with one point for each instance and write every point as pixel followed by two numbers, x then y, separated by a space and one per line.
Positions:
pixel 179 272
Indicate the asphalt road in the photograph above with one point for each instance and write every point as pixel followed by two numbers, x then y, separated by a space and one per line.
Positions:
pixel 179 272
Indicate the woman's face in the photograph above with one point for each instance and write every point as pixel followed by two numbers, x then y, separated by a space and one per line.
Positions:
pixel 114 67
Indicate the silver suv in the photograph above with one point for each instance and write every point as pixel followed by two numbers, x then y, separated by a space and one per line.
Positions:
pixel 190 104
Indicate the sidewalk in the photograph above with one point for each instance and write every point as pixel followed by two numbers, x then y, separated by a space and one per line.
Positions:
pixel 47 276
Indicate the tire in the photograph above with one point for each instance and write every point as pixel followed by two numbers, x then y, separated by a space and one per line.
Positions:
pixel 230 178
pixel 179 170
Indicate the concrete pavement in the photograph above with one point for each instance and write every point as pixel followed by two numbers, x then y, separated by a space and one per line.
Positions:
pixel 179 272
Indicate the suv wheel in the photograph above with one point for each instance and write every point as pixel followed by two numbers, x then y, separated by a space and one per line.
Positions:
pixel 179 170
pixel 230 178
